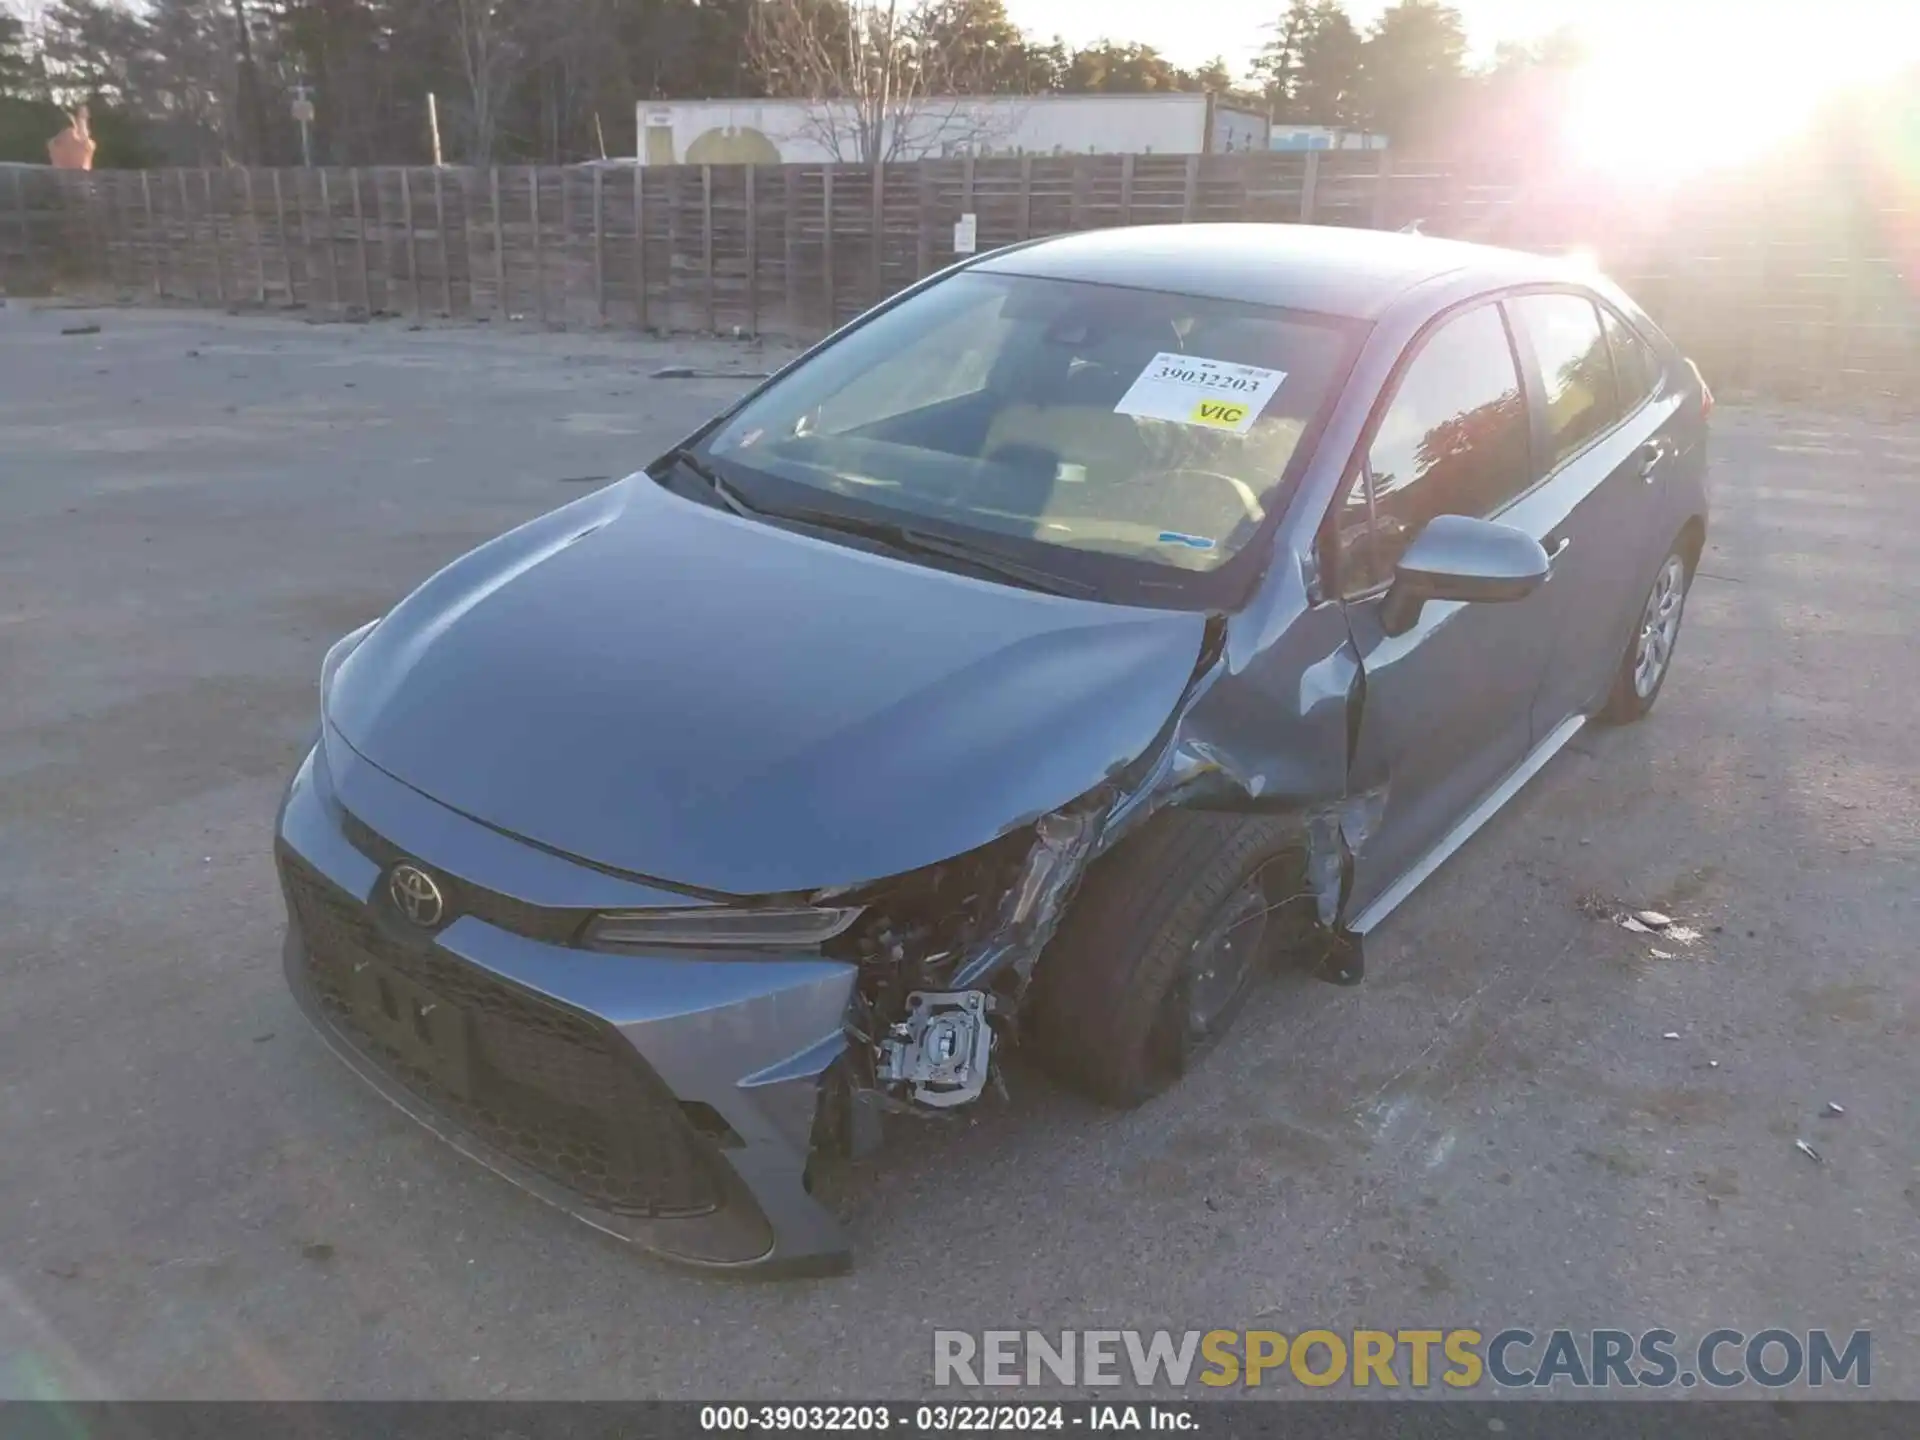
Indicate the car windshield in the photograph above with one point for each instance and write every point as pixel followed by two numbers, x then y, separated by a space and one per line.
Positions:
pixel 1090 418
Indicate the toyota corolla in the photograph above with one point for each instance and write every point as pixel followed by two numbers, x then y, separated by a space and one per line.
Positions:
pixel 1035 662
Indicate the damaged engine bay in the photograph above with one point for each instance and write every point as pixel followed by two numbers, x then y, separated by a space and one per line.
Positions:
pixel 944 961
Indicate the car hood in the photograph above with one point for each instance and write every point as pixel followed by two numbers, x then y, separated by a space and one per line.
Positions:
pixel 671 690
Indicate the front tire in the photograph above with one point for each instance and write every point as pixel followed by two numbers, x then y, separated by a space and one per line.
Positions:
pixel 1159 952
pixel 1649 658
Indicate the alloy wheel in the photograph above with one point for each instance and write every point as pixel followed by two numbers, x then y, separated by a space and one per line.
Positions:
pixel 1659 627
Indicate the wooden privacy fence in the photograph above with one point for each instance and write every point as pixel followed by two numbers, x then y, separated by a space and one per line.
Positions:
pixel 1783 287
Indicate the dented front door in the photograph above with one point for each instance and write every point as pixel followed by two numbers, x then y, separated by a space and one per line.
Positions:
pixel 1445 713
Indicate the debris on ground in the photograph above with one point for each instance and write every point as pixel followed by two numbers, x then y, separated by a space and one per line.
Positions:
pixel 88 329
pixel 1807 1150
pixel 695 372
pixel 1657 925
pixel 1671 1035
pixel 1834 1108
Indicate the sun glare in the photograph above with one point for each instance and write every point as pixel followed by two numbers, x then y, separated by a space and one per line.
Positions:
pixel 1701 93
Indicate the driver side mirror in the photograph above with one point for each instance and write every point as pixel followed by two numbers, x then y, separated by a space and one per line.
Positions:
pixel 1456 557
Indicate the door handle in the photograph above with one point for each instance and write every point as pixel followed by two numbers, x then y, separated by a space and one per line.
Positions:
pixel 1651 454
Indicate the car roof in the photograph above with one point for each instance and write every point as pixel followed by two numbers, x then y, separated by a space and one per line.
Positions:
pixel 1330 269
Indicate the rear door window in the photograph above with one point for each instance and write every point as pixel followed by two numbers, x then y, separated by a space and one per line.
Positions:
pixel 1576 369
pixel 1636 371
pixel 1452 441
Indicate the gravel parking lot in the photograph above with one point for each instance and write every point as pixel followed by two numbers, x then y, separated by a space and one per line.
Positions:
pixel 1523 1117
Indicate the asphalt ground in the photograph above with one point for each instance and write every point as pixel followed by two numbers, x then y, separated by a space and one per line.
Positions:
pixel 1523 1117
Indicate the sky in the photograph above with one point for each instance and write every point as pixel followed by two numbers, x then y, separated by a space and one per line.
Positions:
pixel 1866 34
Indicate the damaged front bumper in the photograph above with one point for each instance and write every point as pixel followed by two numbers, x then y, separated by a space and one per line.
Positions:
pixel 663 1099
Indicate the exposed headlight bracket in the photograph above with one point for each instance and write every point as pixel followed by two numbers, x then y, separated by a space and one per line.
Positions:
pixel 941 1049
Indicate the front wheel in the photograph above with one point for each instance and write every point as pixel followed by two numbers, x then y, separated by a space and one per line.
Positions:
pixel 1649 655
pixel 1162 946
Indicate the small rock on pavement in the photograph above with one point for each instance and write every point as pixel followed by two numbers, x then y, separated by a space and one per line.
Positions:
pixel 1671 1035
pixel 1654 918
pixel 1834 1109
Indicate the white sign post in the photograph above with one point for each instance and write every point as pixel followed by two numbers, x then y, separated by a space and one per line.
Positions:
pixel 303 116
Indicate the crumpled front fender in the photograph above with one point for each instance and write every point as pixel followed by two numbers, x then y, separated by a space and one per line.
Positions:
pixel 1265 726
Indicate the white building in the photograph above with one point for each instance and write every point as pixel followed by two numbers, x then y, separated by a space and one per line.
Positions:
pixel 1288 136
pixel 773 132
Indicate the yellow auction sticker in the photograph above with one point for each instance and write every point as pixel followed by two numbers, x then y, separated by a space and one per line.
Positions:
pixel 1199 390
pixel 1226 414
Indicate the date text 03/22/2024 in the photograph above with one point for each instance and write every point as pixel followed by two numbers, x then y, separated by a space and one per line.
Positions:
pixel 937 1418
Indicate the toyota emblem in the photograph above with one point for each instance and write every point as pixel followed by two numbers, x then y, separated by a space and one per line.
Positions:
pixel 415 895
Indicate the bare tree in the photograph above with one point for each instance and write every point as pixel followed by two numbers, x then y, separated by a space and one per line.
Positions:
pixel 250 116
pixel 488 52
pixel 887 80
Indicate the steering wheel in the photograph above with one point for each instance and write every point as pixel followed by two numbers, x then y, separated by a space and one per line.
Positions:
pixel 1249 501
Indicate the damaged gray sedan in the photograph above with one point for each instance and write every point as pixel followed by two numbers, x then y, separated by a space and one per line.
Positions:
pixel 1036 662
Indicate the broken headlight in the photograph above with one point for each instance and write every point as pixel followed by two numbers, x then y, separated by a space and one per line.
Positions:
pixel 783 927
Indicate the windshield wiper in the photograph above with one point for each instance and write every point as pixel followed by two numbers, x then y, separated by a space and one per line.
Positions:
pixel 902 539
pixel 725 493
pixel 905 540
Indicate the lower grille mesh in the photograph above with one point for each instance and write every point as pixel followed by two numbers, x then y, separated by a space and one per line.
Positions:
pixel 545 1085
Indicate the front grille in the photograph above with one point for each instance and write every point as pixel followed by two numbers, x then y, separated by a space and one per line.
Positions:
pixel 555 1089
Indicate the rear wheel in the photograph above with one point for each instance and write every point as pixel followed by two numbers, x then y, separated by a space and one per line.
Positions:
pixel 1166 939
pixel 1643 670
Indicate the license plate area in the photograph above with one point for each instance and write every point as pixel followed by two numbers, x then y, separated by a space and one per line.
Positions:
pixel 423 1030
